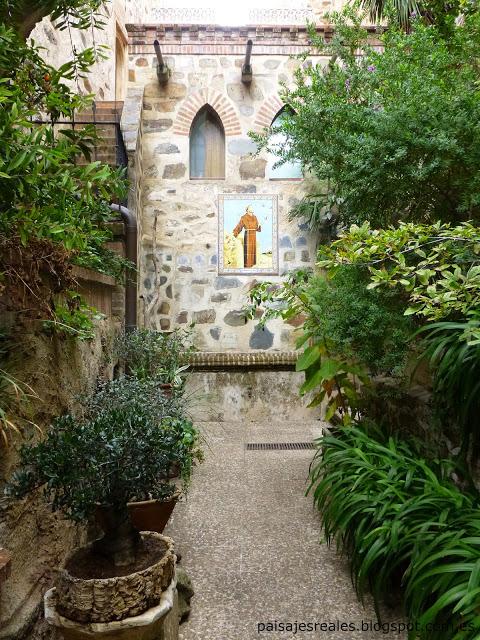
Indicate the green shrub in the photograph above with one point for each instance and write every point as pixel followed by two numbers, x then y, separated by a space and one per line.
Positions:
pixel 162 355
pixel 362 325
pixel 124 447
pixel 106 460
pixel 54 209
pixel 394 132
pixel 347 331
pixel 143 396
pixel 433 268
pixel 400 519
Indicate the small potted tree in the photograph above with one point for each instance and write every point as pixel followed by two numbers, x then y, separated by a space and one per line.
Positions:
pixel 150 510
pixel 94 465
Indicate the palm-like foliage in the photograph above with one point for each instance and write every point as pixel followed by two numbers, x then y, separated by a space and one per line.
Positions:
pixel 439 12
pixel 400 519
pixel 377 9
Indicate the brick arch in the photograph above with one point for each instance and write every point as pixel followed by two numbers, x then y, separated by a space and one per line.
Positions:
pixel 192 105
pixel 267 112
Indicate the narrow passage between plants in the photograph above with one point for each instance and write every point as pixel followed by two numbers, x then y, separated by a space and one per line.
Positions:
pixel 249 540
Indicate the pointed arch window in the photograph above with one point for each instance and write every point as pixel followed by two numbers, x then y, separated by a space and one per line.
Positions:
pixel 289 170
pixel 207 145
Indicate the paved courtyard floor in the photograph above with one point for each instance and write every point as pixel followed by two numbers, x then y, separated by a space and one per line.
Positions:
pixel 251 543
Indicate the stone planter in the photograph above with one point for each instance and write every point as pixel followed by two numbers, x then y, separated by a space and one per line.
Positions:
pixel 152 515
pixel 116 598
pixel 157 623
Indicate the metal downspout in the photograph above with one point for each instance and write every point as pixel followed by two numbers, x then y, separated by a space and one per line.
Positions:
pixel 131 254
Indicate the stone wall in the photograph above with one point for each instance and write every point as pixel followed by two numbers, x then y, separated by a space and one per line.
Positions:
pixel 179 278
pixel 248 395
pixel 60 370
pixel 57 49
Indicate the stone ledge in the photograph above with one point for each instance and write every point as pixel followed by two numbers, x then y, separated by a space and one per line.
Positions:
pixel 88 275
pixel 244 360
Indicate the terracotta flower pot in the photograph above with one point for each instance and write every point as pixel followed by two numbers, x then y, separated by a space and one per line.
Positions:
pixel 152 515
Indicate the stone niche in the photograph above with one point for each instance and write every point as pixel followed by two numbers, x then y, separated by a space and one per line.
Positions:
pixel 179 271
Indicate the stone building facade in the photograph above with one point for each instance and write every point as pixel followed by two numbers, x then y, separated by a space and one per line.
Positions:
pixel 178 218
pixel 107 78
pixel 179 276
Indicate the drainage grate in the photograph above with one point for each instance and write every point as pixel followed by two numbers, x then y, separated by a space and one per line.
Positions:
pixel 278 446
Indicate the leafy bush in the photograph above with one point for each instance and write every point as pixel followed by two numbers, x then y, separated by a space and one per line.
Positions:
pixel 106 460
pixel 75 14
pixel 401 520
pixel 348 332
pixel 54 208
pixel 149 353
pixel 440 12
pixel 131 393
pixel 361 325
pixel 142 395
pixel 436 266
pixel 124 447
pixel 393 132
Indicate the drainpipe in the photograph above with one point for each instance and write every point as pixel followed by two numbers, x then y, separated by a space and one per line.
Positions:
pixel 131 254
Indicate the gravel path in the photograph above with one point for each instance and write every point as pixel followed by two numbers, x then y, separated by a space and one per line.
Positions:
pixel 251 543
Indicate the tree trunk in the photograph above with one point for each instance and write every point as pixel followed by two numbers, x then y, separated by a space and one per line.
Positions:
pixel 121 541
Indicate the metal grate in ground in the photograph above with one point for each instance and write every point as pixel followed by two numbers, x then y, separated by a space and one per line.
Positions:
pixel 278 446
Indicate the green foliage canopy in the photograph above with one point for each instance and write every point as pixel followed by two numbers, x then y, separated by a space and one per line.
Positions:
pixel 54 202
pixel 46 192
pixel 436 266
pixel 348 333
pixel 121 448
pixel 391 131
pixel 76 14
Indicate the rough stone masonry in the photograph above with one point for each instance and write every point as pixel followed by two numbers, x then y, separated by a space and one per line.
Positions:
pixel 179 280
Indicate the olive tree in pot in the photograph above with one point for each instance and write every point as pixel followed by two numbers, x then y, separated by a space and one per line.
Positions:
pixel 96 464
pixel 150 511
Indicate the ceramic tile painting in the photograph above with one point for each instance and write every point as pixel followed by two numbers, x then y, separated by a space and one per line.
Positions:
pixel 247 236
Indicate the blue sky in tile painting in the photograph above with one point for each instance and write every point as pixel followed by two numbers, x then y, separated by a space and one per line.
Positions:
pixel 233 210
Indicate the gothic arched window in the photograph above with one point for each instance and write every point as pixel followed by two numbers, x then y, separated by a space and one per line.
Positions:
pixel 289 170
pixel 207 145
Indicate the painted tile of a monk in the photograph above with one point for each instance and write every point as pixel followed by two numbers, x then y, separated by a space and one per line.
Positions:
pixel 248 222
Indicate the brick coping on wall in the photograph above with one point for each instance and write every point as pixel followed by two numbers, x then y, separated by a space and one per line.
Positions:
pixel 214 39
pixel 244 360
